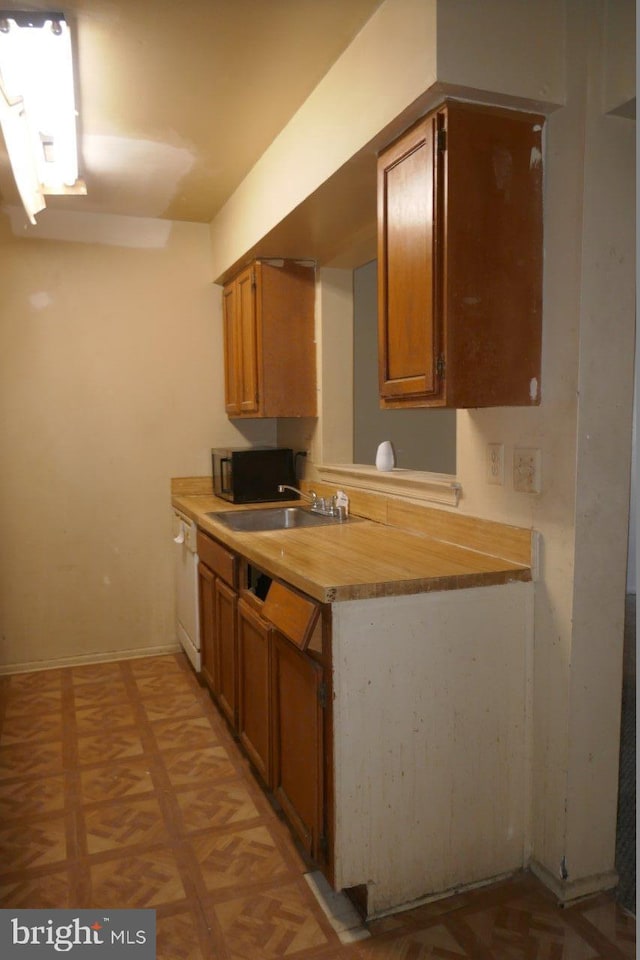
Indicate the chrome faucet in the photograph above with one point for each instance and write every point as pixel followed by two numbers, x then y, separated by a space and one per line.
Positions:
pixel 311 496
pixel 327 506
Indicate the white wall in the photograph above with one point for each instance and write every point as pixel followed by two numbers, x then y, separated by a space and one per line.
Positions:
pixel 110 384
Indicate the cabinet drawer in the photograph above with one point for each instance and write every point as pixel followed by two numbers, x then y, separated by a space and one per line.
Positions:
pixel 223 563
pixel 291 613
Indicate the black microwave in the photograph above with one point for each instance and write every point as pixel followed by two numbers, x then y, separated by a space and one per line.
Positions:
pixel 252 474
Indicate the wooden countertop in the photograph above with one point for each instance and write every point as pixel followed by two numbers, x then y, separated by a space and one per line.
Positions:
pixel 358 559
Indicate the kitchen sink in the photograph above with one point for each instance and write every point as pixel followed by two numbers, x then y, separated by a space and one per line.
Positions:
pixel 272 518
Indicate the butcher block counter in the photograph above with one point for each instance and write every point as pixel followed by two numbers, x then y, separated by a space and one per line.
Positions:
pixel 363 558
pixel 405 735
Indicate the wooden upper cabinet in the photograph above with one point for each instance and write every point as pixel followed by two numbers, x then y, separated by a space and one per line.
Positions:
pixel 460 260
pixel 269 344
pixel 231 385
pixel 408 336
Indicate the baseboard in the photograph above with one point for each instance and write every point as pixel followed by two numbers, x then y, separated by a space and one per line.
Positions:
pixel 136 654
pixel 568 891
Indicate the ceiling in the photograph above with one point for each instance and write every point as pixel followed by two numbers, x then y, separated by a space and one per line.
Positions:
pixel 177 101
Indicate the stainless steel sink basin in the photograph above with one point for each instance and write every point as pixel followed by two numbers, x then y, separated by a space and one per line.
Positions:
pixel 272 518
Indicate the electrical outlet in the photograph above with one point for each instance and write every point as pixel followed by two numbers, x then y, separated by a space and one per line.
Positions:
pixel 495 463
pixel 527 464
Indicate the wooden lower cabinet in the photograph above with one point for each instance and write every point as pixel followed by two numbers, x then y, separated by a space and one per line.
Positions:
pixel 266 664
pixel 206 593
pixel 226 686
pixel 217 576
pixel 298 755
pixel 254 700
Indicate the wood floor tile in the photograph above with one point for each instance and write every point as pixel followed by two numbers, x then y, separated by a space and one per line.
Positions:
pixel 108 672
pixel 33 728
pixel 163 666
pixel 239 858
pixel 32 759
pixel 37 681
pixel 162 686
pixel 185 733
pixel 177 937
pixel 96 692
pixel 32 843
pixel 216 806
pixel 20 798
pixel 124 823
pixel 112 781
pixel 181 704
pixel 206 765
pixel 524 929
pixel 109 745
pixel 603 922
pixel 142 880
pixel 279 922
pixel 46 891
pixel 120 787
pixel 28 703
pixel 421 916
pixel 433 942
pixel 95 719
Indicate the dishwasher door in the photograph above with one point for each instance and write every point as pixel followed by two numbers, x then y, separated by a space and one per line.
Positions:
pixel 186 581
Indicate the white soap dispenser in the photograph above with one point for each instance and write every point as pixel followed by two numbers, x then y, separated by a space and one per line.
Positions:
pixel 385 457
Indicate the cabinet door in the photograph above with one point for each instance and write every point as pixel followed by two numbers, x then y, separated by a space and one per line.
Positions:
pixel 206 583
pixel 248 342
pixel 298 741
pixel 408 331
pixel 231 359
pixel 226 650
pixel 254 712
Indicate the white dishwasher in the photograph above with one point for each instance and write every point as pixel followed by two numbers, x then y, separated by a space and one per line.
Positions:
pixel 186 578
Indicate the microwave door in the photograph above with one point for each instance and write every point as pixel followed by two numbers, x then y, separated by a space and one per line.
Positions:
pixel 226 478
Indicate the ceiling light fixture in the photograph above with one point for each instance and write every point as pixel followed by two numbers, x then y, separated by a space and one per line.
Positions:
pixel 37 106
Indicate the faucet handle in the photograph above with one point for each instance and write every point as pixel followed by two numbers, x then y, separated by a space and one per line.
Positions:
pixel 342 504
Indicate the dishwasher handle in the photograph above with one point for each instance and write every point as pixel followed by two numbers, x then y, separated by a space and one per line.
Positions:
pixel 179 538
pixel 186 531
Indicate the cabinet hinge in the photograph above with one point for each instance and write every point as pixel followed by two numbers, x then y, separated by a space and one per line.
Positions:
pixel 253 278
pixel 322 695
pixel 441 140
pixel 441 366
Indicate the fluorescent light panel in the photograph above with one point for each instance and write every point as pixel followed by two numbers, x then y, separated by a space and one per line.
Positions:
pixel 37 108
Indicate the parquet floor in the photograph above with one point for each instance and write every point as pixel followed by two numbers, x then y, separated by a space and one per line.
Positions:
pixel 121 787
